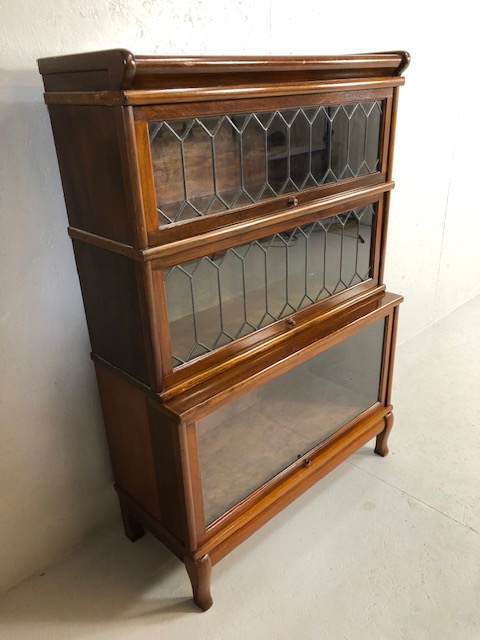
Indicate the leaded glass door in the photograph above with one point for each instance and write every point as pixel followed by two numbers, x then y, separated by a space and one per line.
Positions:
pixel 226 295
pixel 206 165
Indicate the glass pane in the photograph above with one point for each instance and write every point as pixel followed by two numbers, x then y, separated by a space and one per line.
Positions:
pixel 253 161
pixel 340 144
pixel 356 151
pixel 321 135
pixel 246 443
pixel 278 147
pixel 211 164
pixel 168 172
pixel 373 111
pixel 221 297
pixel 226 154
pixel 300 151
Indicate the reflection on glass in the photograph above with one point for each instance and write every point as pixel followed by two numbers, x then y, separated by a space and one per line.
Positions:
pixel 252 439
pixel 221 297
pixel 211 164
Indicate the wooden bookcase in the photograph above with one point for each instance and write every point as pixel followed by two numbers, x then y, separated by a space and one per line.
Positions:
pixel 229 221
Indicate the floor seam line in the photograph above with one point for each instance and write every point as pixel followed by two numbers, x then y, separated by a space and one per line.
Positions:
pixel 464 524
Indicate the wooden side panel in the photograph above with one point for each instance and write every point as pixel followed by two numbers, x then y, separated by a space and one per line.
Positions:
pixel 394 321
pixel 128 432
pixel 113 309
pixel 168 468
pixel 89 157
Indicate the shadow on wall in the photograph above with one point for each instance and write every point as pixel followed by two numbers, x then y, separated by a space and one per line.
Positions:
pixel 54 469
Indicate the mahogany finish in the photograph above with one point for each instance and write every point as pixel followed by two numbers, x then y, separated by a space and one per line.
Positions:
pixel 171 420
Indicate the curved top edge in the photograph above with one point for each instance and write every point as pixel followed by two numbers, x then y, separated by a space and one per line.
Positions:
pixel 236 64
pixel 267 61
pixel 119 65
pixel 405 60
pixel 117 68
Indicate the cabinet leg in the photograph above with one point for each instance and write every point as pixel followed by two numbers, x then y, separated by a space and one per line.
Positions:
pixel 381 446
pixel 199 572
pixel 133 528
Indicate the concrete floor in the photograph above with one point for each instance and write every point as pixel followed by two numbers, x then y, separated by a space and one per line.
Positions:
pixel 381 549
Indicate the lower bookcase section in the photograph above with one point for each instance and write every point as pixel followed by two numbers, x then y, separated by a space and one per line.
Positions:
pixel 204 472
pixel 247 442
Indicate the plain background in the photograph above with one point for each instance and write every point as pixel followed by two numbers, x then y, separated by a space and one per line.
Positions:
pixel 55 478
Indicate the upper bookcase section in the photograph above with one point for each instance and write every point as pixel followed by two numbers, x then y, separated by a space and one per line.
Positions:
pixel 120 77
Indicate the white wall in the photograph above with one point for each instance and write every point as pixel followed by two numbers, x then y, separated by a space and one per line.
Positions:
pixel 55 485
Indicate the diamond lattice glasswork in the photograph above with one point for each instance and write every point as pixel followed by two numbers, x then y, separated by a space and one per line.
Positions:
pixel 223 296
pixel 211 164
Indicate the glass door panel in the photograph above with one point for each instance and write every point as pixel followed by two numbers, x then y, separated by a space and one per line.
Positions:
pixel 224 296
pixel 211 164
pixel 247 443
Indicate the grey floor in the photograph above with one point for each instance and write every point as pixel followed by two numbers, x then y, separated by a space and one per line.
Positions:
pixel 381 549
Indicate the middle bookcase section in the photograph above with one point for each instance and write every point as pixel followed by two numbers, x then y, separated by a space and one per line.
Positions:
pixel 211 164
pixel 221 297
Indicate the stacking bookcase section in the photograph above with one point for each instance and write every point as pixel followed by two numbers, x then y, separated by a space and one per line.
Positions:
pixel 229 220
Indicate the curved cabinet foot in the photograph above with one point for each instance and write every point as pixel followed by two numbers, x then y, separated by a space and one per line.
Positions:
pixel 381 446
pixel 199 572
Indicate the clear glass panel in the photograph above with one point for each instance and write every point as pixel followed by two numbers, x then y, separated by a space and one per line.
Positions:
pixel 373 112
pixel 168 172
pixel 300 151
pixel 253 158
pixel 356 152
pixel 321 136
pixel 218 298
pixel 278 144
pixel 340 134
pixel 226 154
pixel 206 165
pixel 246 443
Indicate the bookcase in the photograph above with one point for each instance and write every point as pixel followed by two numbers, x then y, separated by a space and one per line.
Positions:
pixel 229 220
